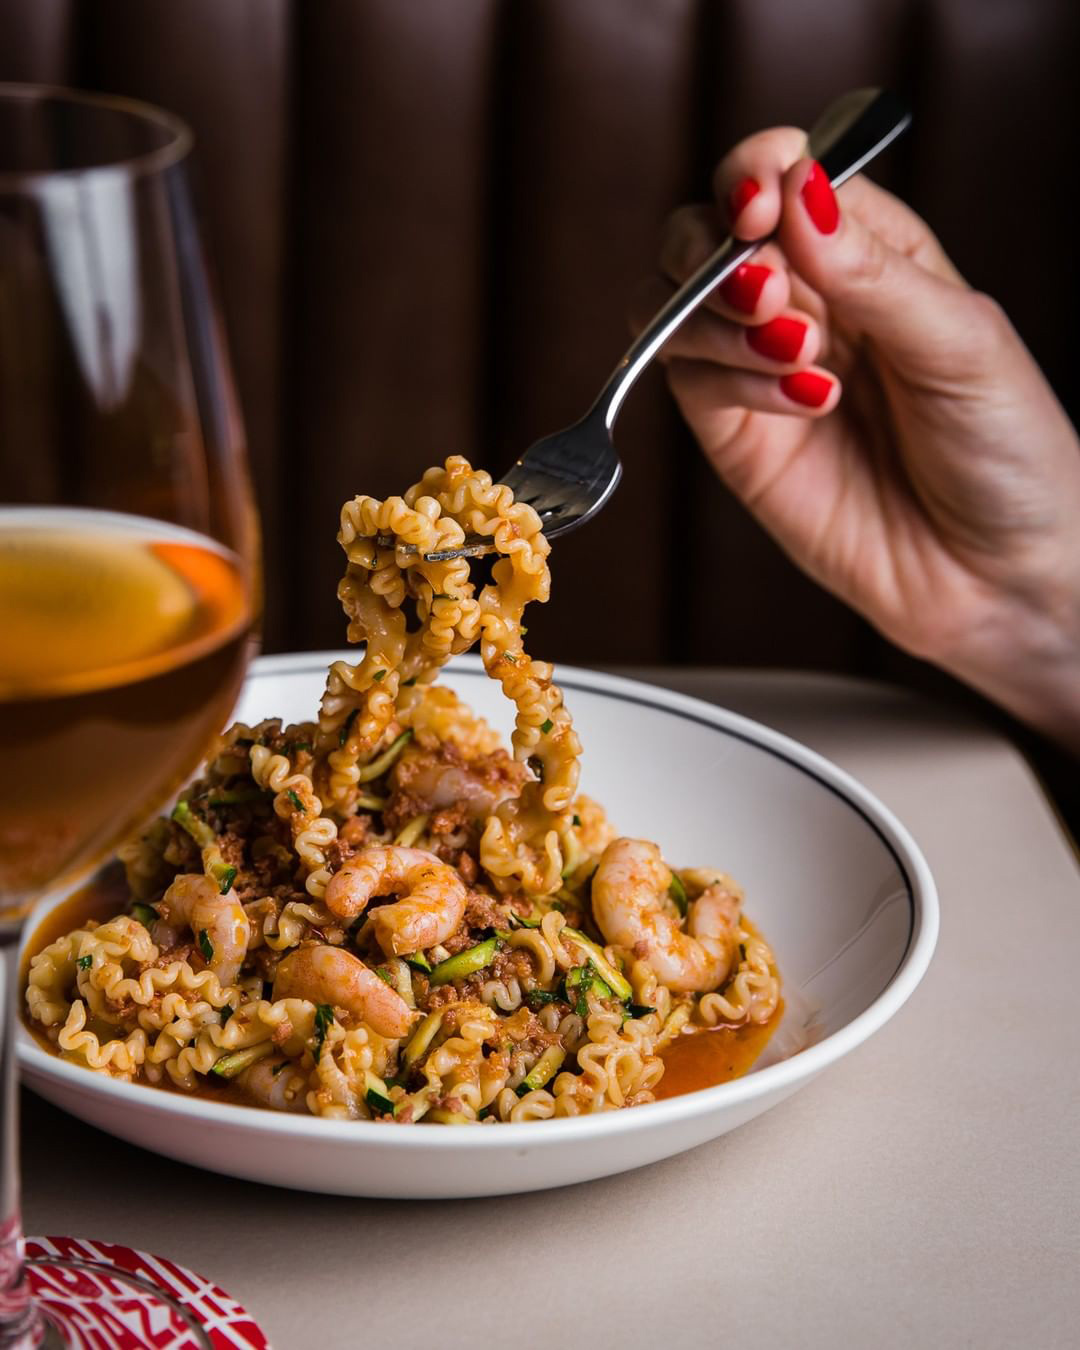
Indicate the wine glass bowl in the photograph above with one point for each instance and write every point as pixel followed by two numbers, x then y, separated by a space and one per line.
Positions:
pixel 128 538
pixel 116 406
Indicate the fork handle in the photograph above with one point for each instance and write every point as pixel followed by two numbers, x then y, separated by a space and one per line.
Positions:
pixel 848 135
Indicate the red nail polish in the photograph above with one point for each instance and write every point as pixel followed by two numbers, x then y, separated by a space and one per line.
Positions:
pixel 806 387
pixel 820 200
pixel 780 339
pixel 741 195
pixel 742 290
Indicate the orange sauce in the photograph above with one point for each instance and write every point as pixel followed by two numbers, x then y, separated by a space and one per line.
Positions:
pixel 703 1057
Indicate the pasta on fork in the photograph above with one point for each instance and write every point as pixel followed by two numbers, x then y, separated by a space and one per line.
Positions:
pixel 383 913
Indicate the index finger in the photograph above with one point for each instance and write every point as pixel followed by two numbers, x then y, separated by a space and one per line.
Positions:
pixel 747 184
pixel 747 179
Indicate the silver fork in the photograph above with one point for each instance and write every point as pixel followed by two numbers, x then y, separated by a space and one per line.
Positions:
pixel 568 476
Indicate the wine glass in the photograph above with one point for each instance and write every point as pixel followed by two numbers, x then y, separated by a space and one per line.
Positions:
pixel 128 539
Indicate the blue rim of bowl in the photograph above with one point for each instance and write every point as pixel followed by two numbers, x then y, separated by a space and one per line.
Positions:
pixel 781 1077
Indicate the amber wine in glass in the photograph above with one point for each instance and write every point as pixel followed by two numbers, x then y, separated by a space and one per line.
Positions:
pixel 127 537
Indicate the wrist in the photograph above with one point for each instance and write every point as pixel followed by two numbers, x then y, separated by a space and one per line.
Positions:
pixel 1031 666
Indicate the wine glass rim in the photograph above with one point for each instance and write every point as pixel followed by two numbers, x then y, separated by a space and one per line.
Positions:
pixel 138 165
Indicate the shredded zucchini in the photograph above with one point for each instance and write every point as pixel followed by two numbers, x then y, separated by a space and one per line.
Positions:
pixel 386 760
pixel 368 802
pixel 545 1068
pixel 412 831
pixel 620 987
pixel 203 835
pixel 422 1038
pixel 377 1094
pixel 677 891
pixel 465 963
pixel 228 1066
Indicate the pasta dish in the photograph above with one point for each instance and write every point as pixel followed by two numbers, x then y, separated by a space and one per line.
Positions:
pixel 383 913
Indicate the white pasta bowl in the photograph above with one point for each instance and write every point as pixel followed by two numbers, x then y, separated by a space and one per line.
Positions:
pixel 832 879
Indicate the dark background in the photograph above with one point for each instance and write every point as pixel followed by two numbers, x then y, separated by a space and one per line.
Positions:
pixel 428 217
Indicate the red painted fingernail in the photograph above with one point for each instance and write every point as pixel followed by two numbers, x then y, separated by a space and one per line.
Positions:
pixel 742 290
pixel 781 339
pixel 820 200
pixel 806 387
pixel 741 195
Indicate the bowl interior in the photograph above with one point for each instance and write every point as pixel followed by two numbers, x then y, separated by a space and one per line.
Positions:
pixel 823 882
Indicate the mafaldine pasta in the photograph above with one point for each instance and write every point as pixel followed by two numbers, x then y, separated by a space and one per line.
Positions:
pixel 384 914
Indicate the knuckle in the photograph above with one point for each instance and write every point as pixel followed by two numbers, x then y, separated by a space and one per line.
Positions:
pixel 987 329
pixel 987 316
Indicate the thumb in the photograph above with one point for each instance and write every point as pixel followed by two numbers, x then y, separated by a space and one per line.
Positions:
pixel 919 320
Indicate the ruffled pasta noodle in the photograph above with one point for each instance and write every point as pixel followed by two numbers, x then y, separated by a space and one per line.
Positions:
pixel 389 919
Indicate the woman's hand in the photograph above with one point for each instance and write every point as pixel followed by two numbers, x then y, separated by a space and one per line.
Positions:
pixel 885 423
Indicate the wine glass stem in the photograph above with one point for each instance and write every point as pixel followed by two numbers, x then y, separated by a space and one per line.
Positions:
pixel 20 1323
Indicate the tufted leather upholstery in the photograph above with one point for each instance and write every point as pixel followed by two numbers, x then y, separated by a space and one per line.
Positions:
pixel 428 218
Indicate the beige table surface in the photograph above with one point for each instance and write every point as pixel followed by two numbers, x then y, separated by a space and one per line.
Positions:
pixel 923 1192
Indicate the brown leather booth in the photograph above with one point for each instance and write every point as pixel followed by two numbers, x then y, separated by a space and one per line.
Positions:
pixel 428 217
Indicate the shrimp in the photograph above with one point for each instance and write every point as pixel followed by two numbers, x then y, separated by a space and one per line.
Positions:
pixel 273 1083
pixel 443 777
pixel 325 974
pixel 628 892
pixel 218 922
pixel 432 903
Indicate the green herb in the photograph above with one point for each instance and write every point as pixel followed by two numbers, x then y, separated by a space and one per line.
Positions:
pixel 546 726
pixel 677 891
pixel 224 875
pixel 379 675
pixel 85 962
pixel 295 800
pixel 577 820
pixel 324 1020
pixel 384 975
pixel 508 656
pixel 143 914
pixel 343 734
pixel 205 945
pixel 639 1009
pixel 538 998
